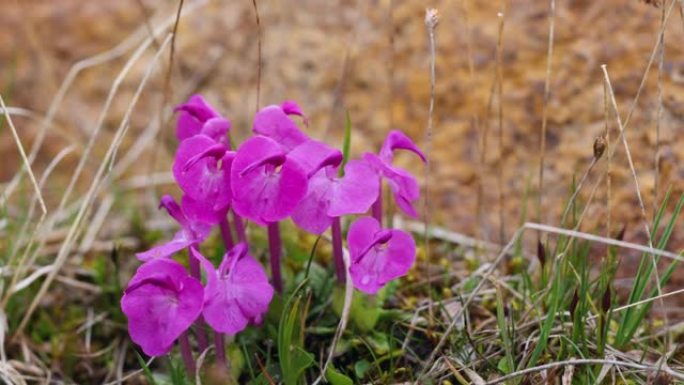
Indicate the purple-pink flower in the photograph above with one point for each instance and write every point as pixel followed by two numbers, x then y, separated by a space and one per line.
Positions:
pixel 202 170
pixel 161 302
pixel 403 185
pixel 267 184
pixel 377 255
pixel 328 195
pixel 195 227
pixel 196 117
pixel 237 293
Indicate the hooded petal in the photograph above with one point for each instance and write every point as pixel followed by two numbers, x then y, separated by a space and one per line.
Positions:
pixel 237 293
pixel 273 122
pixel 192 116
pixel 161 302
pixel 398 140
pixel 267 185
pixel 203 179
pixel 217 129
pixel 374 262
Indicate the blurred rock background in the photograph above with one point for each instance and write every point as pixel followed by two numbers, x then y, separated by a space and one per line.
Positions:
pixel 370 58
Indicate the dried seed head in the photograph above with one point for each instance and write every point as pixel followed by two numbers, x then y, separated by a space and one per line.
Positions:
pixel 599 146
pixel 431 18
pixel 606 301
pixel 541 254
pixel 573 304
pixel 621 234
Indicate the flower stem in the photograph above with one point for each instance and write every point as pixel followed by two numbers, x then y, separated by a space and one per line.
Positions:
pixel 202 340
pixel 337 249
pixel 225 233
pixel 186 353
pixel 220 349
pixel 274 246
pixel 239 228
pixel 377 209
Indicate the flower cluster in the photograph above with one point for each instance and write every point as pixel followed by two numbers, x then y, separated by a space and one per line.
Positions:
pixel 276 174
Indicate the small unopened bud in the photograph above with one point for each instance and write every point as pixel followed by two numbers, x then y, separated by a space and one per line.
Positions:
pixel 599 146
pixel 431 18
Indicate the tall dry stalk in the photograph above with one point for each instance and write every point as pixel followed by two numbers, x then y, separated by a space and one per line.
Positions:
pixel 545 109
pixel 499 91
pixel 259 53
pixel 431 21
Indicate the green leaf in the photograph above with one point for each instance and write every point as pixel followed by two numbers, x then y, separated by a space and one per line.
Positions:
pixel 294 360
pixel 365 311
pixel 146 369
pixel 337 378
pixel 361 368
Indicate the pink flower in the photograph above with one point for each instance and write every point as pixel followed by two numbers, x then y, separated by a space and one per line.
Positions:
pixel 194 227
pixel 403 185
pixel 329 196
pixel 202 170
pixel 378 256
pixel 161 302
pixel 267 184
pixel 237 293
pixel 198 117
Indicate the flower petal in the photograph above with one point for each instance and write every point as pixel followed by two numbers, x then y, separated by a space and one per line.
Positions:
pixel 398 140
pixel 314 155
pixel 273 122
pixel 378 256
pixel 311 213
pixel 216 128
pixel 204 180
pixel 193 114
pixel 161 303
pixel 356 191
pixel 404 186
pixel 266 193
pixel 237 296
pixel 178 243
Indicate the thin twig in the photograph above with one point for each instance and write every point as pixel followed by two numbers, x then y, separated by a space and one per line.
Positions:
pixel 499 88
pixel 24 158
pixel 659 113
pixel 431 22
pixel 259 53
pixel 545 105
